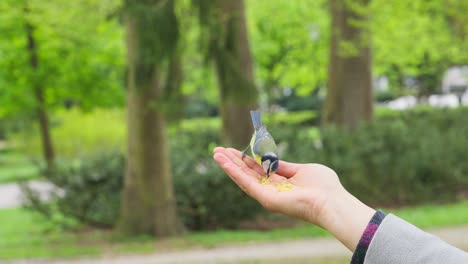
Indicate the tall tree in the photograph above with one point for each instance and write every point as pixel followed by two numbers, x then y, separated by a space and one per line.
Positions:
pixel 228 47
pixel 38 90
pixel 149 205
pixel 47 60
pixel 349 97
pixel 290 50
pixel 419 38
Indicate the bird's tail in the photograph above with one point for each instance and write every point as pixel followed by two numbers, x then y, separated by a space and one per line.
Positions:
pixel 256 119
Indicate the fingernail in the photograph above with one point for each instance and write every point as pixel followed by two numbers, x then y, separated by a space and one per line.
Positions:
pixel 220 158
pixel 216 149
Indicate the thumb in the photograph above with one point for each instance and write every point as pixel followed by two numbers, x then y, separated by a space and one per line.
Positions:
pixel 288 169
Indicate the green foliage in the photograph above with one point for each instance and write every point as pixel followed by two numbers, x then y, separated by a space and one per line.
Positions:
pixel 416 38
pixel 207 199
pixel 407 157
pixel 291 48
pixel 198 107
pixel 403 157
pixel 81 63
pixel 302 103
pixel 384 96
pixel 77 134
pixel 89 192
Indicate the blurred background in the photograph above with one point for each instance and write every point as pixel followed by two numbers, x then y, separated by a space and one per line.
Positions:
pixel 109 111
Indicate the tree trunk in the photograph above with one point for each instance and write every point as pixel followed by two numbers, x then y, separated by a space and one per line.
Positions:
pixel 173 93
pixel 349 97
pixel 233 62
pixel 47 146
pixel 149 205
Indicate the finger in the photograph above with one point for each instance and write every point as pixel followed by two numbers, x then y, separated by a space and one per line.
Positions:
pixel 249 161
pixel 218 149
pixel 222 158
pixel 275 178
pixel 287 169
pixel 248 184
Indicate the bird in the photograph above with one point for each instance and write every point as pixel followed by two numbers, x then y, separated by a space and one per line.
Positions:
pixel 262 146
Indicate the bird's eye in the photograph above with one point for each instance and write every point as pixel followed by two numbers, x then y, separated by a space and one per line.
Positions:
pixel 274 166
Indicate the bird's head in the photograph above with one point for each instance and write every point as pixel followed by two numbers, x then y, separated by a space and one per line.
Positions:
pixel 270 163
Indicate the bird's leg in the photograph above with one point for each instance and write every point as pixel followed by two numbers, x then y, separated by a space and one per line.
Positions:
pixel 243 152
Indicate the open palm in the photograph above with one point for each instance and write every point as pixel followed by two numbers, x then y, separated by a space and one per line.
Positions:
pixel 313 185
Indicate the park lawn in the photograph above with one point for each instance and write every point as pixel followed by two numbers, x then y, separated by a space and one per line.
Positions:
pixel 25 234
pixel 293 261
pixel 15 167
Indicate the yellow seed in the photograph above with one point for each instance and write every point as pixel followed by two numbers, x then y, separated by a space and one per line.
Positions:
pixel 283 186
pixel 280 187
pixel 264 180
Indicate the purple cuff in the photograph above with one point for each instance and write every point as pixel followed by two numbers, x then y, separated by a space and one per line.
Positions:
pixel 366 238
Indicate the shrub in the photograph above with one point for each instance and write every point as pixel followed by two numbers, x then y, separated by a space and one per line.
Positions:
pixel 206 197
pixel 384 96
pixel 88 190
pixel 410 157
pixel 402 157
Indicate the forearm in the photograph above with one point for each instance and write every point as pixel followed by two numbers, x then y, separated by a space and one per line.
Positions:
pixel 383 238
pixel 346 218
pixel 397 241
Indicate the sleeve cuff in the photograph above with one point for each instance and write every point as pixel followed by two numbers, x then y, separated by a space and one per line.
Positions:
pixel 361 249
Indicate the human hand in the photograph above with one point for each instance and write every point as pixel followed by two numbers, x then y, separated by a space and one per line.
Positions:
pixel 312 184
pixel 316 196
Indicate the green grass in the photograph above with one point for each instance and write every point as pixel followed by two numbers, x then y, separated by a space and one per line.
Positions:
pixel 76 134
pixel 425 216
pixel 210 239
pixel 16 167
pixel 294 261
pixel 434 215
pixel 25 234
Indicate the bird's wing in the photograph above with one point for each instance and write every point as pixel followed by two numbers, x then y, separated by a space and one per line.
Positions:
pixel 264 142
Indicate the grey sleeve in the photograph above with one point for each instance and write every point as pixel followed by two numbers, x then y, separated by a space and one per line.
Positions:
pixel 397 241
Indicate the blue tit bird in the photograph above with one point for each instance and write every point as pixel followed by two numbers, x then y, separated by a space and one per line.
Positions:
pixel 262 145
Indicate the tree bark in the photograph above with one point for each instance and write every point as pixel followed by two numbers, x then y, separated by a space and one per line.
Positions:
pixel 349 97
pixel 233 63
pixel 149 205
pixel 47 146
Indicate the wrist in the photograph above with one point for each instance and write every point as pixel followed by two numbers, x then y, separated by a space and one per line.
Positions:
pixel 346 218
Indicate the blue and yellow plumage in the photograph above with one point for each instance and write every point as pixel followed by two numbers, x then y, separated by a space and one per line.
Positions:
pixel 262 145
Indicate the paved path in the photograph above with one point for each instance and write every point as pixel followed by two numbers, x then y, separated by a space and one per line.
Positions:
pixel 301 249
pixel 11 196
